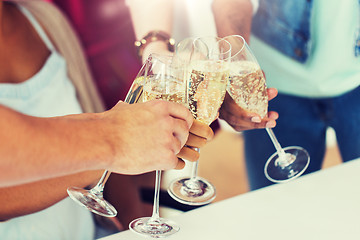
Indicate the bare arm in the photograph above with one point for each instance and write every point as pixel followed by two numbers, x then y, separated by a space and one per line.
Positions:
pixel 32 197
pixel 34 148
pixel 149 16
pixel 233 17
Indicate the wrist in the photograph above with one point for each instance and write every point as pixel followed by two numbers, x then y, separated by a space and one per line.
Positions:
pixel 89 147
pixel 104 153
pixel 158 47
pixel 154 37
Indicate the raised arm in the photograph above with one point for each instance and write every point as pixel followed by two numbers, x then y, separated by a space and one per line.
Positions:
pixel 38 148
pixel 234 17
pixel 32 197
pixel 151 17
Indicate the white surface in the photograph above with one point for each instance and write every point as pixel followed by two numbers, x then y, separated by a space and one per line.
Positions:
pixel 322 205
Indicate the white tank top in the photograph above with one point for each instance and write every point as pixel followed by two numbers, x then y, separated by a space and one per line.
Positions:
pixel 48 93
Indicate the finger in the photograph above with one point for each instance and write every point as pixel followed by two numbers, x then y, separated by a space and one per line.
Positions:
pixel 241 119
pixel 242 125
pixel 180 164
pixel 245 119
pixel 202 130
pixel 233 109
pixel 181 132
pixel 270 124
pixel 272 93
pixel 195 141
pixel 273 115
pixel 179 111
pixel 236 121
pixel 189 154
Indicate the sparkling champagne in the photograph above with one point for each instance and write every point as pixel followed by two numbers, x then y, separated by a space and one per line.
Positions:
pixel 207 86
pixel 170 90
pixel 248 88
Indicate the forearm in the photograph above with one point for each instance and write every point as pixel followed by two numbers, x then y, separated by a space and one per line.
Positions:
pixel 32 197
pixel 153 15
pixel 233 17
pixel 37 148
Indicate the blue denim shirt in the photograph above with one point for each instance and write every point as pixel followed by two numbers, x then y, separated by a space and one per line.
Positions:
pixel 285 25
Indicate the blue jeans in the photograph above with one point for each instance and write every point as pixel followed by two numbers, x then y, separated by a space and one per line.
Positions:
pixel 303 122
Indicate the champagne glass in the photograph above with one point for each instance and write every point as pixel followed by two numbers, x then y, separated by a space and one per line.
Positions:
pixel 207 77
pixel 160 82
pixel 93 199
pixel 248 89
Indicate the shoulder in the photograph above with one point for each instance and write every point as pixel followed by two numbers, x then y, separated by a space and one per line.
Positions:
pixel 37 5
pixel 56 25
pixel 47 13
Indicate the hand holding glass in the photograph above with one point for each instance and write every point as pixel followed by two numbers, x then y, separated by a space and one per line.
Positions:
pixel 93 199
pixel 248 89
pixel 207 77
pixel 160 82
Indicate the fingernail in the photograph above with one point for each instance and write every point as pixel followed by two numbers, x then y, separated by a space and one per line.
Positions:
pixel 270 124
pixel 255 119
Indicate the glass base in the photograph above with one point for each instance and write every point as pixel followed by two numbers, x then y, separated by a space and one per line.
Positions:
pixel 192 192
pixel 93 202
pixel 151 227
pixel 293 165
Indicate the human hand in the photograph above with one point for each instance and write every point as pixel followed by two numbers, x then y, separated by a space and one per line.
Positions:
pixel 146 136
pixel 241 119
pixel 200 134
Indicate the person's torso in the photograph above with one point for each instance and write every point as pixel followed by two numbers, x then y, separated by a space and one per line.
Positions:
pixel 331 67
pixel 48 93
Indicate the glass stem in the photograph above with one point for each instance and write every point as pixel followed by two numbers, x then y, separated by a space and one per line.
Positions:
pixel 276 143
pixel 194 169
pixel 99 188
pixel 155 214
